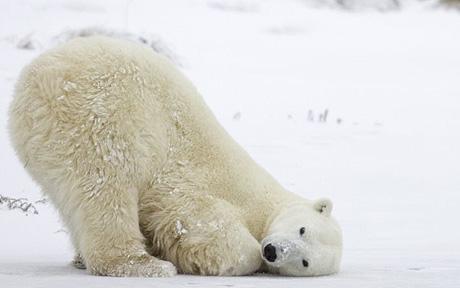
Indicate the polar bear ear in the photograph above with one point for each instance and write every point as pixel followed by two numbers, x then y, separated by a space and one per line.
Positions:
pixel 323 206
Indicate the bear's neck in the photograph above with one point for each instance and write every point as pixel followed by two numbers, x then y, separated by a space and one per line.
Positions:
pixel 238 179
pixel 230 173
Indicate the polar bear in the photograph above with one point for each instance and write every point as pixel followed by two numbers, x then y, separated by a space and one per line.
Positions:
pixel 146 180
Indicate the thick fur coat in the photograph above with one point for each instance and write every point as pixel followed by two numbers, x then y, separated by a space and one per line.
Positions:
pixel 139 168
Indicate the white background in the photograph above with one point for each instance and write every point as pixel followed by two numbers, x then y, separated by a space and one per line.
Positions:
pixel 391 166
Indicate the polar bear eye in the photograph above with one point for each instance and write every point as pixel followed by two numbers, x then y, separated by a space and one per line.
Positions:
pixel 305 263
pixel 302 231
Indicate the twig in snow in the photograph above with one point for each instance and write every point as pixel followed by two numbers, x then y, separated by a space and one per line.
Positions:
pixel 21 204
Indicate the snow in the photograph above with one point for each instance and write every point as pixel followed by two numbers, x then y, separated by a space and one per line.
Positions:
pixel 180 230
pixel 388 153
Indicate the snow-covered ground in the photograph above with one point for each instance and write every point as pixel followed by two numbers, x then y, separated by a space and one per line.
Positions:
pixel 388 153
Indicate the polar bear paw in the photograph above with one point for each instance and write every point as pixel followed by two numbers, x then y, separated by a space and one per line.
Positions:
pixel 137 266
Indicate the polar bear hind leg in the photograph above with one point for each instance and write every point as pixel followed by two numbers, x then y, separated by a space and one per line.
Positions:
pixel 108 234
pixel 65 150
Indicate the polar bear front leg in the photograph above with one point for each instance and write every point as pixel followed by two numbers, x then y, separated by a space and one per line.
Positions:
pixel 220 252
pixel 210 239
pixel 109 237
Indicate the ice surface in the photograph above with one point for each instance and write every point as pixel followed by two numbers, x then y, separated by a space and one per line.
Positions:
pixel 390 164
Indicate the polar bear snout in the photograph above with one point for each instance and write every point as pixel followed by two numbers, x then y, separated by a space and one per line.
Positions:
pixel 277 250
pixel 270 252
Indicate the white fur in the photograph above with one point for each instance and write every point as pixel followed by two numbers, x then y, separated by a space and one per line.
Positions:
pixel 135 162
pixel 320 245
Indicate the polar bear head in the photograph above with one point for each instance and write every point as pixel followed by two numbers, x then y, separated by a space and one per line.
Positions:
pixel 303 240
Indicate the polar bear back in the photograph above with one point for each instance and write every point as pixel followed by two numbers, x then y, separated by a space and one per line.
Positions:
pixel 99 108
pixel 98 86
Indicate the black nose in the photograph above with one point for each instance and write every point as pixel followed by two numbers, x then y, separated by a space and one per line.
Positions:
pixel 270 253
